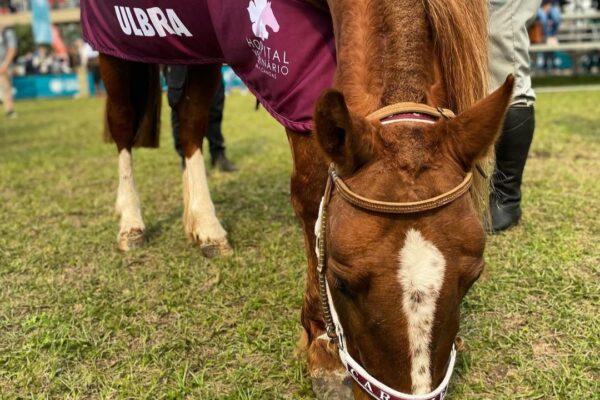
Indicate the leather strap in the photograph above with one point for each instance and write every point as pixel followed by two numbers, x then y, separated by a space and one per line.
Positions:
pixel 400 108
pixel 400 208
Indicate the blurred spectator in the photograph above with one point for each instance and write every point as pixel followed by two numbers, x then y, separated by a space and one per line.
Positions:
pixel 58 44
pixel 63 3
pixel 41 61
pixel 549 16
pixel 61 53
pixel 13 6
pixel 57 3
pixel 91 59
pixel 6 7
pixel 8 52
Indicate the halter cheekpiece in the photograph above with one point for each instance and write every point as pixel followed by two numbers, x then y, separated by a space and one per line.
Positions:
pixel 395 113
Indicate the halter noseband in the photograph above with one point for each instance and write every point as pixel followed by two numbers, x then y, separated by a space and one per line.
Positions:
pixel 334 330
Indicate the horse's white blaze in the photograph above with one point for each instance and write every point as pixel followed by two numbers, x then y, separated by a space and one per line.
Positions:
pixel 200 219
pixel 421 275
pixel 128 201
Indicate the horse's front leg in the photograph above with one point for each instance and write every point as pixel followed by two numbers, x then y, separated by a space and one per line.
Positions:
pixel 120 111
pixel 308 180
pixel 199 218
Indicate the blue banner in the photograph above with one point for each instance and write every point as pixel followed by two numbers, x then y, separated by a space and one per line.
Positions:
pixel 67 85
pixel 41 86
pixel 42 33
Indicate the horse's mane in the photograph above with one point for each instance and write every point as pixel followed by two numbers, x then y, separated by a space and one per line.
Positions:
pixel 460 32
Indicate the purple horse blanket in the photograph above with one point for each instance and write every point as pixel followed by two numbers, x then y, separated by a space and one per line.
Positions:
pixel 283 50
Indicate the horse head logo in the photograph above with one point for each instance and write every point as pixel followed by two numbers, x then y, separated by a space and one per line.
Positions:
pixel 261 16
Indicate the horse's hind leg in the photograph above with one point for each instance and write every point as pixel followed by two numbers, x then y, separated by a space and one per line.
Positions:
pixel 199 218
pixel 116 75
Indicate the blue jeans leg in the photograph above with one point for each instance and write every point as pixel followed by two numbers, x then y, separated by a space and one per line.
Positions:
pixel 543 18
pixel 554 15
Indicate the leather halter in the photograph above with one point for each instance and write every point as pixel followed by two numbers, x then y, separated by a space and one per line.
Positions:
pixel 399 208
pixel 334 330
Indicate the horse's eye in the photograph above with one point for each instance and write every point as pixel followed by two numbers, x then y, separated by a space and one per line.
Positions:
pixel 342 286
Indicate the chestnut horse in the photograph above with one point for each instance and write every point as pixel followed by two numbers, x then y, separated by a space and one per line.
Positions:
pixel 400 242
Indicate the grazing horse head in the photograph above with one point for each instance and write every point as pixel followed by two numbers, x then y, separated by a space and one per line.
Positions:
pixel 261 15
pixel 395 280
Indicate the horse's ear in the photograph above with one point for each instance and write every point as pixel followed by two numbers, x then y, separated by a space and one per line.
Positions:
pixel 346 138
pixel 473 131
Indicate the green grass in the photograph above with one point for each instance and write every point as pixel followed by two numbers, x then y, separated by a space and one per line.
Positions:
pixel 581 80
pixel 79 319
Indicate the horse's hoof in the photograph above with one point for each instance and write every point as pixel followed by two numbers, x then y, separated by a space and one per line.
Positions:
pixel 131 239
pixel 332 385
pixel 216 248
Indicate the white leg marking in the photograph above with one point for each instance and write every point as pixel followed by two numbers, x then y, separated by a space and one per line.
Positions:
pixel 200 220
pixel 128 201
pixel 421 275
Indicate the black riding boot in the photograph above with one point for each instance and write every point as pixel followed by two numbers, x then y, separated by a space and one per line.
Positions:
pixel 511 155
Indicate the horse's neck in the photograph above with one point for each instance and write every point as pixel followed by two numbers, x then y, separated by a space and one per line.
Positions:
pixel 382 50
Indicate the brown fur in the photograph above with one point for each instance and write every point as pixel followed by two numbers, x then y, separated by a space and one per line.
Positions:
pixel 133 103
pixel 308 179
pixel 201 86
pixel 145 95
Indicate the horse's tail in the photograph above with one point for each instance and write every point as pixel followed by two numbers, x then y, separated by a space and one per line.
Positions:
pixel 146 98
pixel 460 29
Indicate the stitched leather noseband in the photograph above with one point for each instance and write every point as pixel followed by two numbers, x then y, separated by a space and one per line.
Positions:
pixel 334 330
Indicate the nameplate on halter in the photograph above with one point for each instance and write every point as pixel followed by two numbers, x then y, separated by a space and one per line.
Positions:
pixel 380 394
